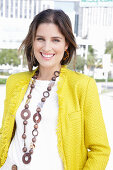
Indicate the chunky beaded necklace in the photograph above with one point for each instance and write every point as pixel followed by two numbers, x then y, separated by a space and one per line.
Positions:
pixel 25 114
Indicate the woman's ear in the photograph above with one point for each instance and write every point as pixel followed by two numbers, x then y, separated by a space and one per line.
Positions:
pixel 66 46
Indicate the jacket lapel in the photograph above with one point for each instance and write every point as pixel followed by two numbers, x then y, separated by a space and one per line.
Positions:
pixel 19 92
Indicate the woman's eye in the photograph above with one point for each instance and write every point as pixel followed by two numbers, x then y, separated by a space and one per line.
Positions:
pixel 40 39
pixel 56 40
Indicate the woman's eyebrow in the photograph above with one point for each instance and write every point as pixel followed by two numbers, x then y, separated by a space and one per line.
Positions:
pixel 39 36
pixel 51 37
pixel 57 37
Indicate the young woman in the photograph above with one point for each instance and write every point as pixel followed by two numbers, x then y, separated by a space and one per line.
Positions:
pixel 52 115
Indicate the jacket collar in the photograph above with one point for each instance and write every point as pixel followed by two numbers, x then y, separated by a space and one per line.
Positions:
pixel 31 74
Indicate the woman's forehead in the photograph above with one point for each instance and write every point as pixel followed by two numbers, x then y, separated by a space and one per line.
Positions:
pixel 48 29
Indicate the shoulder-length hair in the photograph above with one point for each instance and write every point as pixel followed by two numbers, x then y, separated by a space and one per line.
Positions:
pixel 57 17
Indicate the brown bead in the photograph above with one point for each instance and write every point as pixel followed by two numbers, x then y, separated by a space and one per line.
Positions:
pixel 14 167
pixel 25 122
pixel 29 96
pixel 38 109
pixel 28 114
pixel 31 151
pixel 26 106
pixel 36 126
pixel 34 139
pixel 35 77
pixel 24 136
pixel 32 145
pixel 37 72
pixel 57 73
pixel 46 94
pixel 53 78
pixel 28 156
pixel 49 88
pixel 35 132
pixel 43 99
pixel 32 85
pixel 24 149
pixel 35 116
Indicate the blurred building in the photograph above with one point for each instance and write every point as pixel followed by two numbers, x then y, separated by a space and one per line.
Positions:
pixel 92 21
pixel 15 18
pixel 23 8
pixel 97 22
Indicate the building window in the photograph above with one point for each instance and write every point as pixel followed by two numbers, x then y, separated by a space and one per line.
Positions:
pixel 76 24
pixel 25 10
pixel 1 7
pixel 11 14
pixel 34 7
pixel 30 7
pixel 16 8
pixel 6 8
pixel 48 6
pixel 44 7
pixel 21 7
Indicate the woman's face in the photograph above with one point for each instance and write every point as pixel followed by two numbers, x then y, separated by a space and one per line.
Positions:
pixel 49 45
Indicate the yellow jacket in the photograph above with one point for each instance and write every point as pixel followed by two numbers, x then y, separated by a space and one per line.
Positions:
pixel 81 133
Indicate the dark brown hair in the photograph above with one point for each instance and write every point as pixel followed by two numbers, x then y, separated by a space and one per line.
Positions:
pixel 59 18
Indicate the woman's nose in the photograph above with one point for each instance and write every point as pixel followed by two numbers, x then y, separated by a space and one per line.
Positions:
pixel 47 46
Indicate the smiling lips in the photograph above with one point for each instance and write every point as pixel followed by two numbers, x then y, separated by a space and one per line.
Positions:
pixel 46 55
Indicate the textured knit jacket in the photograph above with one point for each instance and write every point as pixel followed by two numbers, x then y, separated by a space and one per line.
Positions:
pixel 81 133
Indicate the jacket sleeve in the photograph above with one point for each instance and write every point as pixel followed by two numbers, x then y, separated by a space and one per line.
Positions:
pixel 3 118
pixel 95 133
pixel 8 91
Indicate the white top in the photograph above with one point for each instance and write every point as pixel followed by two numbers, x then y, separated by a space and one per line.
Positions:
pixel 45 156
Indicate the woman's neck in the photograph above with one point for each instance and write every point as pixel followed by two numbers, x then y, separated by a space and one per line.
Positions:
pixel 47 73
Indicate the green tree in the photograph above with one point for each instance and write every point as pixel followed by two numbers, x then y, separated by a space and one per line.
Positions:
pixel 78 63
pixel 91 57
pixel 109 48
pixel 9 56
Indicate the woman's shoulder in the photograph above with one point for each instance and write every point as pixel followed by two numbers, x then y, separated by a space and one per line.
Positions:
pixel 81 81
pixel 78 77
pixel 18 79
pixel 20 76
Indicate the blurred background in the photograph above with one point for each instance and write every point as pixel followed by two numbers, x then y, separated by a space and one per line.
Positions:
pixel 92 23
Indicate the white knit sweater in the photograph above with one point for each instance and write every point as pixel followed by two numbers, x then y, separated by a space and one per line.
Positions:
pixel 45 156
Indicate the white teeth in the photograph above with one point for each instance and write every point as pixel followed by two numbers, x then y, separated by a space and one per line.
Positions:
pixel 47 56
